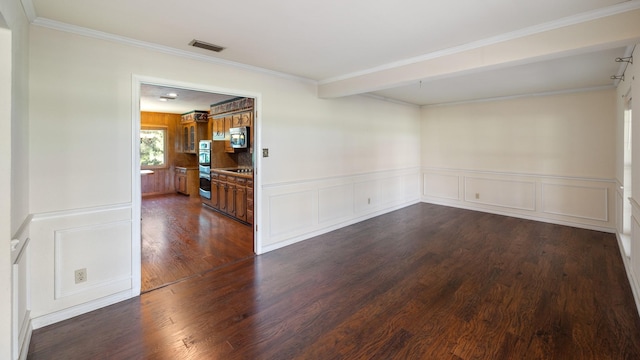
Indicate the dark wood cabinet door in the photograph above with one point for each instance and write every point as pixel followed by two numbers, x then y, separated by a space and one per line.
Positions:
pixel 215 193
pixel 240 199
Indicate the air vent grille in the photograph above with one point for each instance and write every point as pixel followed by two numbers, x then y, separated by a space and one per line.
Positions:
pixel 205 45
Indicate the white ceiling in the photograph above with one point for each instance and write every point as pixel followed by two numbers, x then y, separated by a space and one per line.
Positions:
pixel 184 100
pixel 332 41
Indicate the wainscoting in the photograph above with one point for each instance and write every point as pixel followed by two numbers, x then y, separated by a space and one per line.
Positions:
pixel 581 202
pixel 20 282
pixel 95 239
pixel 160 182
pixel 299 210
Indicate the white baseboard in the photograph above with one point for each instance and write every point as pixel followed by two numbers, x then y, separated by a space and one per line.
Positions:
pixel 24 347
pixel 632 280
pixel 74 311
pixel 335 227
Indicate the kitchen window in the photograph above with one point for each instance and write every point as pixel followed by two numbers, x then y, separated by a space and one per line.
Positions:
pixel 153 147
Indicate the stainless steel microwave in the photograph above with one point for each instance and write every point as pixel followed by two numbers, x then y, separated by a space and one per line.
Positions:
pixel 239 137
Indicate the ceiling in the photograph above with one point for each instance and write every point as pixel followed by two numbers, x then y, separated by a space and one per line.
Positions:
pixel 413 51
pixel 171 100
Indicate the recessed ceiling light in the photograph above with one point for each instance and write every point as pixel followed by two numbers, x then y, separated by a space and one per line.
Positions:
pixel 173 95
pixel 162 99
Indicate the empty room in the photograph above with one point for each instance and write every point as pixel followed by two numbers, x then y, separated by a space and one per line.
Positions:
pixel 361 181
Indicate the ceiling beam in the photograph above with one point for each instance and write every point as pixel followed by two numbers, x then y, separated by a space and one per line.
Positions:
pixel 615 30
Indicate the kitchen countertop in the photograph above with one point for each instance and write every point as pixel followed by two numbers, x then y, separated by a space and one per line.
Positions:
pixel 230 171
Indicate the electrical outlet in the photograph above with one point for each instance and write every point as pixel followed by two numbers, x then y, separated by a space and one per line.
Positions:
pixel 81 275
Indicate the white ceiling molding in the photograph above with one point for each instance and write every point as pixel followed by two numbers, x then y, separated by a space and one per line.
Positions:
pixel 503 98
pixel 618 29
pixel 78 30
pixel 532 30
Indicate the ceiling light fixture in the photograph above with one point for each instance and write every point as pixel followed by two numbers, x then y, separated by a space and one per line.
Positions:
pixel 206 45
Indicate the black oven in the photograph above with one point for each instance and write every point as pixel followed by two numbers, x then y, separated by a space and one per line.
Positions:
pixel 205 185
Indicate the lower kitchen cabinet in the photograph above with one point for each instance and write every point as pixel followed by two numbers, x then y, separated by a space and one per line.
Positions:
pixel 215 191
pixel 229 194
pixel 239 196
pixel 250 201
pixel 186 181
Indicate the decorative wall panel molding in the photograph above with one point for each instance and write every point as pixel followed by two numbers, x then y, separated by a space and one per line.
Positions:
pixel 580 202
pixel 335 203
pixel 441 186
pixel 96 239
pixel 21 327
pixel 513 194
pixel 586 202
pixel 99 250
pixel 299 210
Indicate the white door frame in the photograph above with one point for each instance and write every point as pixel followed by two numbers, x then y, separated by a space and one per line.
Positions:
pixel 136 192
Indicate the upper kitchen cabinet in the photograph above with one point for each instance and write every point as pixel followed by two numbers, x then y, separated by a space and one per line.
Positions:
pixel 218 129
pixel 236 112
pixel 242 119
pixel 193 127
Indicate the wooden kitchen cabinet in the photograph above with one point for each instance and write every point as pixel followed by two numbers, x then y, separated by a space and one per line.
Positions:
pixel 194 128
pixel 186 181
pixel 239 196
pixel 215 191
pixel 230 195
pixel 250 201
pixel 242 119
pixel 227 141
pixel 218 130
pixel 229 191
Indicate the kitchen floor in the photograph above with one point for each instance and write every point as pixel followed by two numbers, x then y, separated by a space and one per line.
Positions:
pixel 182 239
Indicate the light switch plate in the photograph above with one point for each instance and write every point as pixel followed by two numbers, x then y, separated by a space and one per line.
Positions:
pixel 265 152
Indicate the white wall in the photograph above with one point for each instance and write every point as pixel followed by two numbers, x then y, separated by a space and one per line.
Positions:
pixel 81 144
pixel 626 89
pixel 549 158
pixel 14 308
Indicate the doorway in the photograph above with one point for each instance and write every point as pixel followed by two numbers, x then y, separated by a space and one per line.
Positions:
pixel 179 237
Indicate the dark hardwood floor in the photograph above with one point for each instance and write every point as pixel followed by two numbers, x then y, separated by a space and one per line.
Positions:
pixel 423 282
pixel 181 238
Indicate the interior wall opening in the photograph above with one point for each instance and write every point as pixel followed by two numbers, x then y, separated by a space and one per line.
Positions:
pixel 182 233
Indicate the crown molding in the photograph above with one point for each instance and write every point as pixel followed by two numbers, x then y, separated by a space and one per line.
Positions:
pixel 79 30
pixel 532 30
pixel 29 10
pixel 520 96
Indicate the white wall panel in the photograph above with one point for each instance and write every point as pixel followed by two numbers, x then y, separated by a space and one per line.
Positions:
pixel 21 280
pixel 366 196
pixel 295 211
pixel 98 239
pixel 391 190
pixel 102 250
pixel 498 192
pixel 577 202
pixel 587 202
pixel 335 202
pixel 441 186
pixel 635 253
pixel 300 210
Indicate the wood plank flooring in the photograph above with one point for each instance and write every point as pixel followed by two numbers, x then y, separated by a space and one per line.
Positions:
pixel 181 238
pixel 423 282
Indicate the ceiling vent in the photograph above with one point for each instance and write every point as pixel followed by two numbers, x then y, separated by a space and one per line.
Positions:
pixel 205 45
